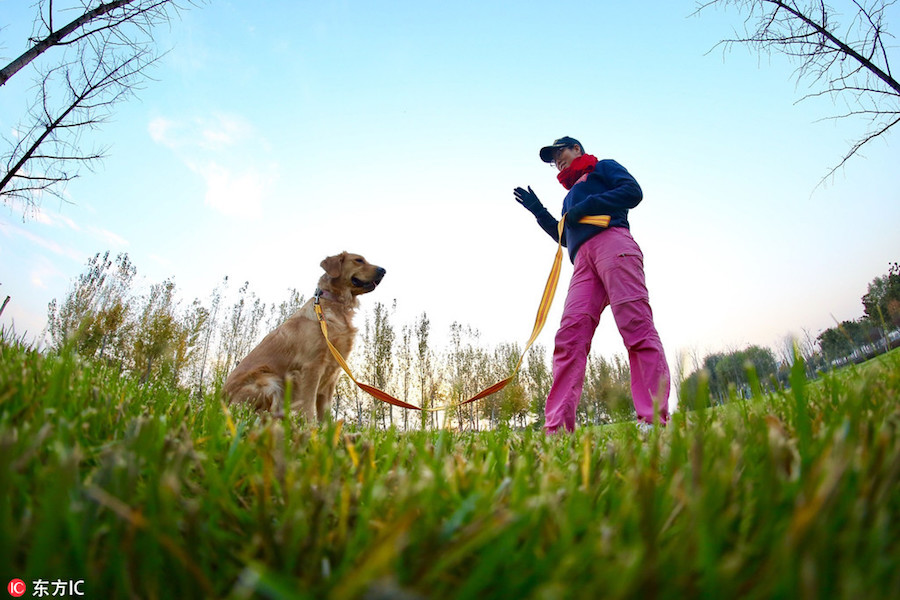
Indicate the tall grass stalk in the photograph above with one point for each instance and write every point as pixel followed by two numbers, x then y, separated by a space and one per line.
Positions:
pixel 142 492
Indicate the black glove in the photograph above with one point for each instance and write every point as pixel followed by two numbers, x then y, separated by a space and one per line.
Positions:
pixel 528 199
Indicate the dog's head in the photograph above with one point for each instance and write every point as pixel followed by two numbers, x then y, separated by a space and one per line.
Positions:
pixel 351 272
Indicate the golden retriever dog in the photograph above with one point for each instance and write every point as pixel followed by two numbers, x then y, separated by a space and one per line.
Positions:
pixel 295 354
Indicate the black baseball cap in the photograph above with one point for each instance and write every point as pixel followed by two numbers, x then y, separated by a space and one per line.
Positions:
pixel 563 142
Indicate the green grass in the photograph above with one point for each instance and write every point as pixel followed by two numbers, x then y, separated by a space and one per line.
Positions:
pixel 143 494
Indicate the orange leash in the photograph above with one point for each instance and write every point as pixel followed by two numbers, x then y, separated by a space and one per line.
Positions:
pixel 540 319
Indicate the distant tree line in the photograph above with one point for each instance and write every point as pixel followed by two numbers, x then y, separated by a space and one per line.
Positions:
pixel 875 332
pixel 725 375
pixel 151 334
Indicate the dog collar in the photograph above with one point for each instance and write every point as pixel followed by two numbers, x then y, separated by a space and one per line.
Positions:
pixel 320 293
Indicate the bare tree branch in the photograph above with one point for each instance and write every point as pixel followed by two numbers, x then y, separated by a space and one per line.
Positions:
pixel 854 65
pixel 106 82
pixel 55 38
pixel 106 53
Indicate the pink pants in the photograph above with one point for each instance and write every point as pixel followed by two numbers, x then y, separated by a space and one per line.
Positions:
pixel 609 271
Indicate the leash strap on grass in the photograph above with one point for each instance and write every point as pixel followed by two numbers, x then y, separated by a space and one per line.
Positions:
pixel 383 396
pixel 540 319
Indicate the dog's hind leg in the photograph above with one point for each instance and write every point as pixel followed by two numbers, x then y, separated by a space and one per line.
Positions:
pixel 323 401
pixel 276 399
pixel 303 397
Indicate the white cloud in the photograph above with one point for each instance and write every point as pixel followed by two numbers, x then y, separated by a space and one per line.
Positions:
pixel 160 130
pixel 209 145
pixel 42 272
pixel 108 237
pixel 56 220
pixel 43 242
pixel 234 193
pixel 217 132
pixel 160 260
pixel 225 130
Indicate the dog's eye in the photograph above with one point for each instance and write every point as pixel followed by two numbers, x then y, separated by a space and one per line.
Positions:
pixel 358 260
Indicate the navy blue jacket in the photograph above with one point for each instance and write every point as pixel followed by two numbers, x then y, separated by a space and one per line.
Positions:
pixel 608 190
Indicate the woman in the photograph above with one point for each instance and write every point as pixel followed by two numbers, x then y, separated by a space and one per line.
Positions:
pixel 609 271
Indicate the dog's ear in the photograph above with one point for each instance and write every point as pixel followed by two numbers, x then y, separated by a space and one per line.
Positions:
pixel 332 265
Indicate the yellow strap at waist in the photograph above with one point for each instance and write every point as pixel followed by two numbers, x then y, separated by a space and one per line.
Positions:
pixel 599 220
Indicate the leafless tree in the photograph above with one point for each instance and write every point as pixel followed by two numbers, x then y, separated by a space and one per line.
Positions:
pixel 848 61
pixel 47 154
pixel 101 58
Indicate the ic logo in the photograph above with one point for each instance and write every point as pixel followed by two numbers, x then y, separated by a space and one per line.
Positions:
pixel 16 588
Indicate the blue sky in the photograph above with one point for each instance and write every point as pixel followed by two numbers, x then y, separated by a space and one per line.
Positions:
pixel 277 133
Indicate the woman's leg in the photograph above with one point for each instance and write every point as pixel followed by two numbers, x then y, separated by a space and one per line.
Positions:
pixel 585 301
pixel 650 380
pixel 623 277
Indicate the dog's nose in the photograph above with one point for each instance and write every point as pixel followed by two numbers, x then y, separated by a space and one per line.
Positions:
pixel 379 273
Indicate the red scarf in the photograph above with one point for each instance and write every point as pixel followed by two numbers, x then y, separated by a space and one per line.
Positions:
pixel 582 165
